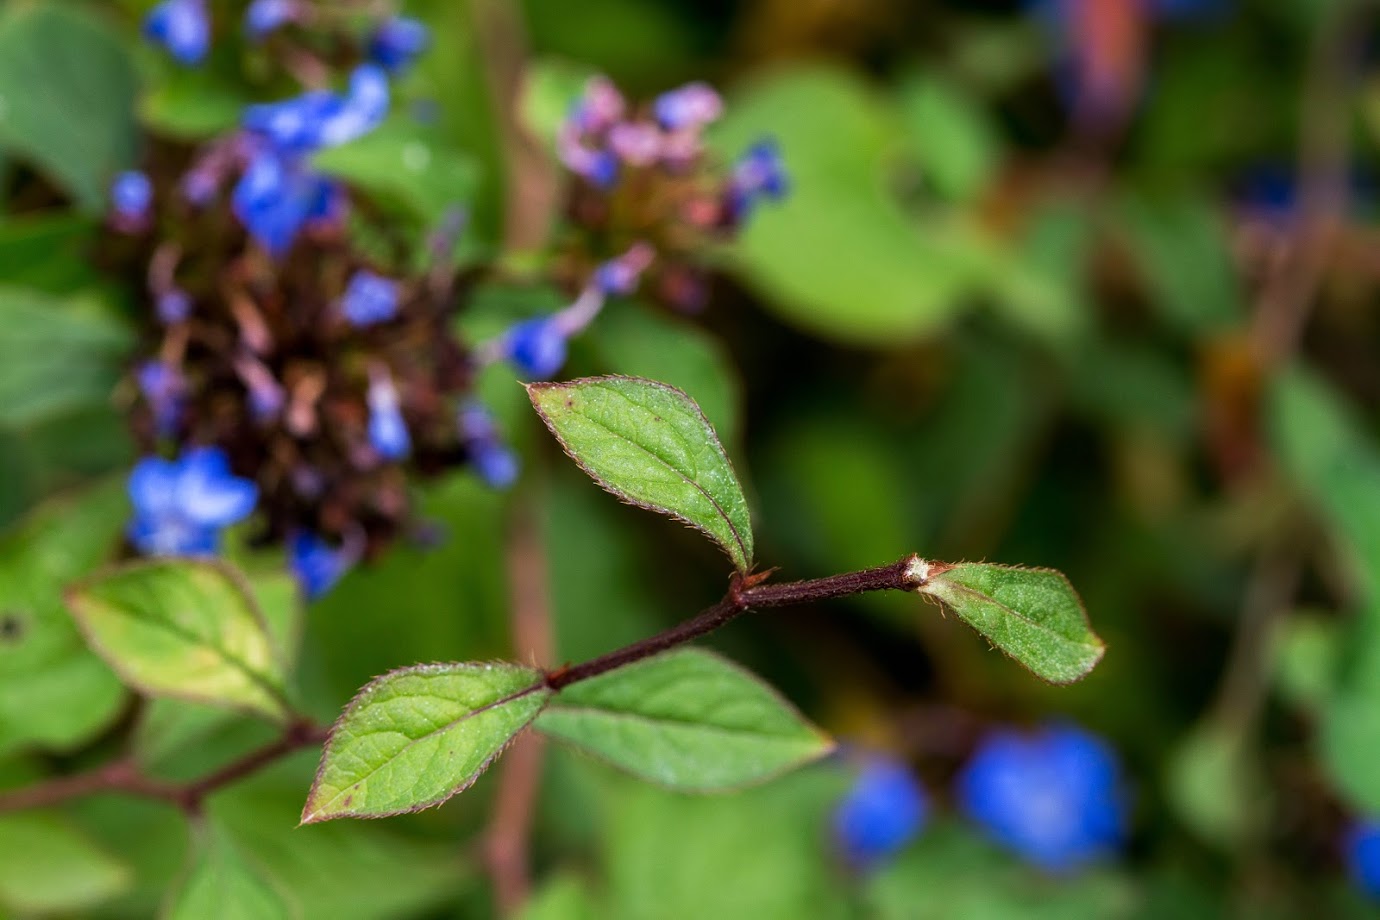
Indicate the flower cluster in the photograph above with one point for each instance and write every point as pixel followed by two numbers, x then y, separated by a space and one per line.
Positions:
pixel 646 175
pixel 294 379
pixel 1361 848
pixel 1054 797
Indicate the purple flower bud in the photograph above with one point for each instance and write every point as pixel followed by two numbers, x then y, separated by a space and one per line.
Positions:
pixel 598 167
pixel 317 564
pixel 886 808
pixel 536 347
pixel 369 299
pixel 495 464
pixel 620 275
pixel 199 186
pixel 183 27
pixel 387 429
pixel 690 107
pixel 635 143
pixel 265 16
pixel 1053 796
pixel 162 387
pixel 1361 849
pixel 396 42
pixel 131 199
pixel 173 306
pixel 181 506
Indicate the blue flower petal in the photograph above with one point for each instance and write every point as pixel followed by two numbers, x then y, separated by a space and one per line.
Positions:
pixel 208 494
pixel 886 808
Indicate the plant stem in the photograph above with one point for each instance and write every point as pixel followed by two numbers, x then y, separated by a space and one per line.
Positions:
pixel 125 776
pixel 745 593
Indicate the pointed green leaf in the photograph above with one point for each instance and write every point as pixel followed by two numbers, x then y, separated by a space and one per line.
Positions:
pixel 1033 615
pixel 649 444
pixel 223 885
pixel 687 719
pixel 416 736
pixel 49 866
pixel 183 629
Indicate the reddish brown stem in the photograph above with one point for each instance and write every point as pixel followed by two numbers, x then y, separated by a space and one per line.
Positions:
pixel 125 776
pixel 906 574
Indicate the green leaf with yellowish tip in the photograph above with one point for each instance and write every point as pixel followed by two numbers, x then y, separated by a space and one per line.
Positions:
pixel 223 885
pixel 687 719
pixel 183 629
pixel 1033 615
pixel 650 445
pixel 416 736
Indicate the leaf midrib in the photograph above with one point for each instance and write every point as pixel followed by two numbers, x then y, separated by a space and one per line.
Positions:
pixel 959 587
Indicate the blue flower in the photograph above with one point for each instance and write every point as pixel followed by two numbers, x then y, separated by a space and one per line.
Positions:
pixel 131 197
pixel 265 16
pixel 1053 796
pixel 369 299
pixel 278 195
pixel 691 106
pixel 758 174
pixel 536 347
pixel 387 428
pixel 396 42
pixel 321 118
pixel 181 506
pixel 181 26
pixel 316 564
pixel 162 386
pixel 886 808
pixel 1361 849
pixel 493 461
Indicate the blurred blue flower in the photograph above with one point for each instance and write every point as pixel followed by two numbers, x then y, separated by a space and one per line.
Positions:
pixel 162 387
pixel 536 347
pixel 1054 796
pixel 689 107
pixel 885 810
pixel 321 118
pixel 759 174
pixel 1361 849
pixel 387 429
pixel 316 564
pixel 278 195
pixel 494 463
pixel 183 27
pixel 396 42
pixel 265 16
pixel 369 299
pixel 131 198
pixel 181 506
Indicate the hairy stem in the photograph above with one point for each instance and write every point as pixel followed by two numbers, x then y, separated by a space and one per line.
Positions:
pixel 746 593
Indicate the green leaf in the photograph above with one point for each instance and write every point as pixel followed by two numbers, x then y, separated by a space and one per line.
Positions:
pixel 193 103
pixel 565 897
pixel 222 885
pixel 648 343
pixel 404 165
pixel 56 355
pixel 649 444
pixel 48 251
pixel 1215 786
pixel 417 736
pixel 49 866
pixel 1033 615
pixel 54 691
pixel 184 629
pixel 958 146
pixel 841 257
pixel 67 88
pixel 687 719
